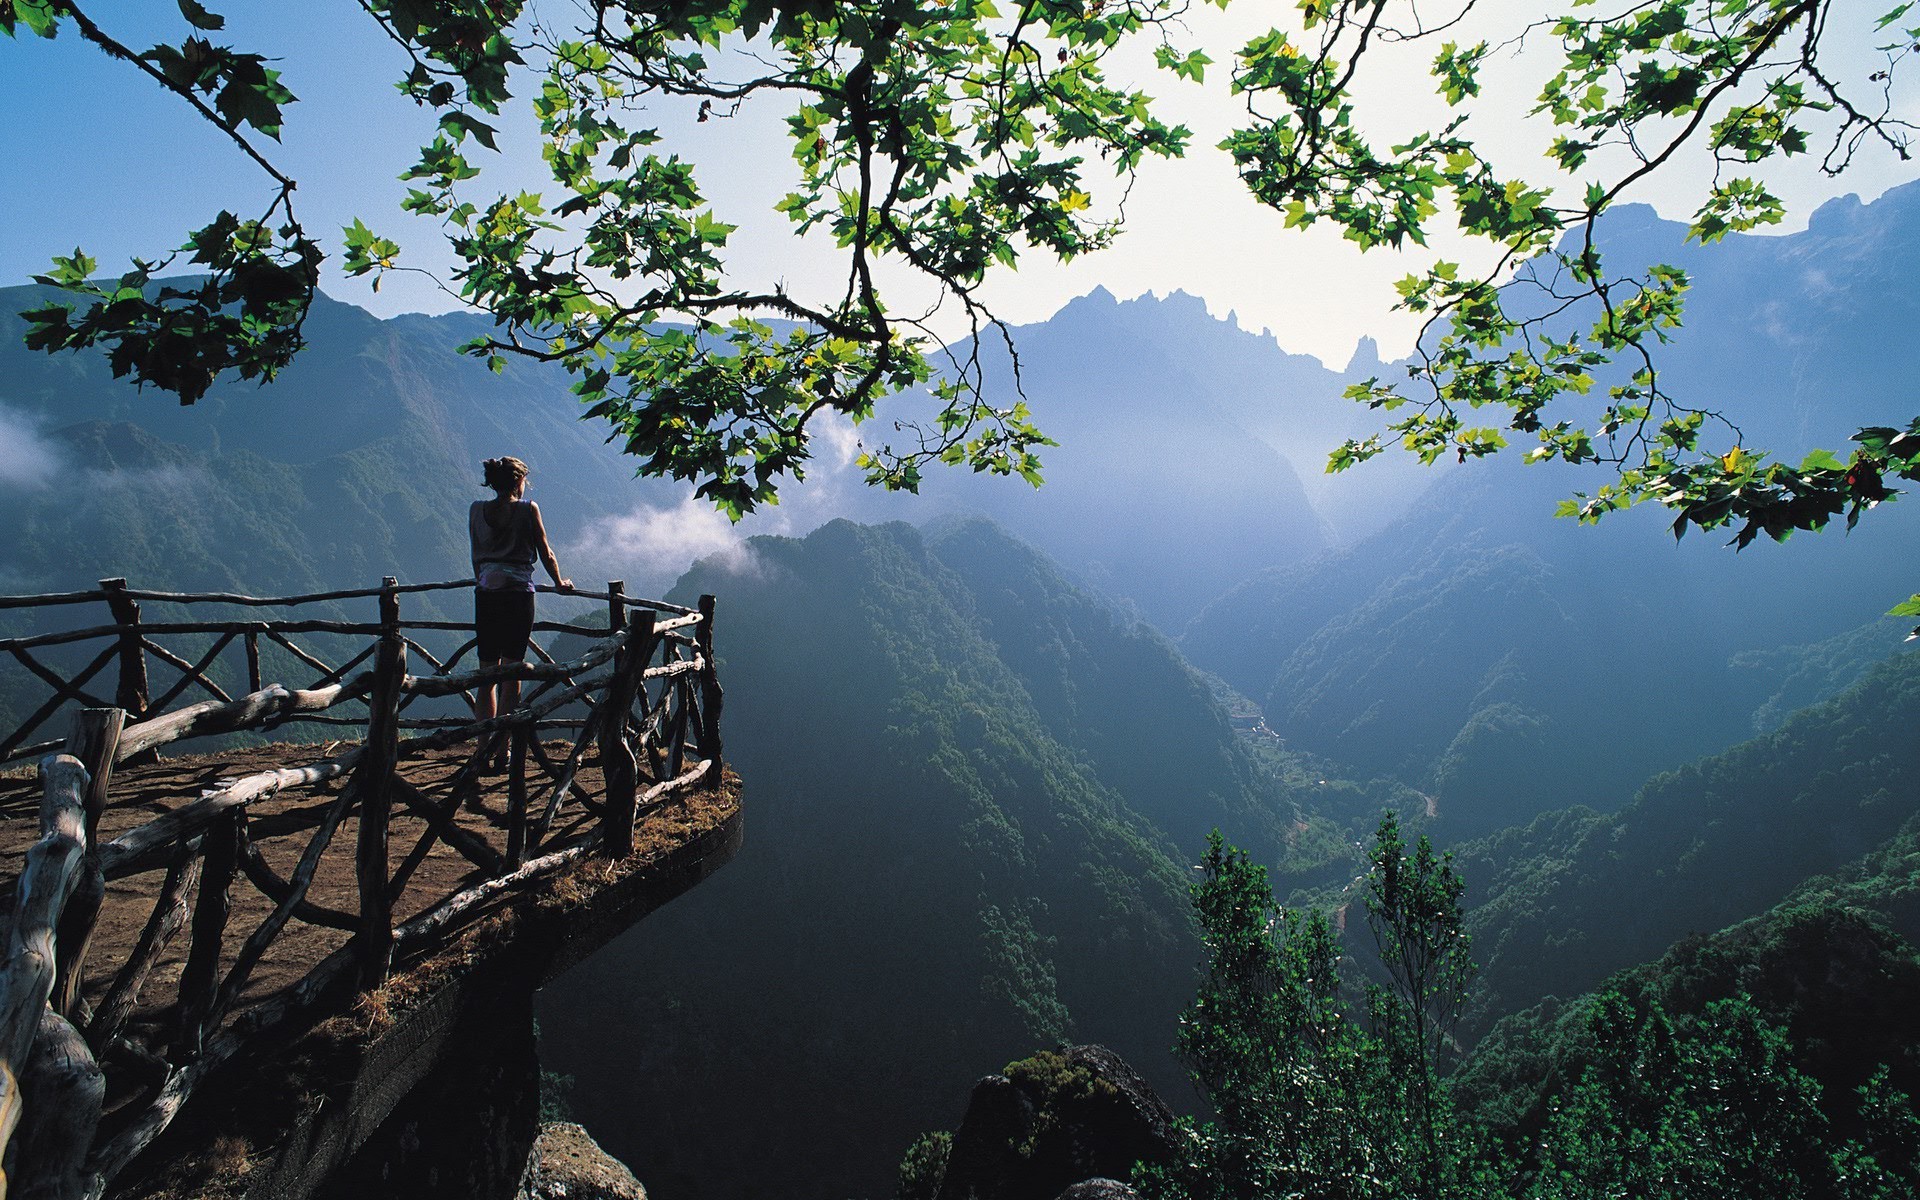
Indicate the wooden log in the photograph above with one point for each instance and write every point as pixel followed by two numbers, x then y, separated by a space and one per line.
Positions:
pixel 9 747
pixel 90 633
pixel 375 776
pixel 62 1090
pixel 711 696
pixel 132 691
pixel 46 599
pixel 616 606
pixel 169 915
pixel 74 937
pixel 302 878
pixel 562 787
pixel 439 668
pixel 11 1106
pixel 446 685
pixel 36 750
pixel 475 848
pixel 262 875
pixel 517 796
pixel 340 672
pixel 666 789
pixel 469 731
pixel 27 978
pixel 253 660
pixel 617 766
pixel 199 979
pixel 674 669
pixel 653 732
pixel 52 867
pixel 61 687
pixel 287 644
pixel 290 601
pixel 677 742
pixel 424 929
pixel 320 989
pixel 273 702
pixel 190 673
pixel 92 739
pixel 439 818
pixel 126 854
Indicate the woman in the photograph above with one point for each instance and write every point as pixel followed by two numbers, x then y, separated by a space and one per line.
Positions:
pixel 507 537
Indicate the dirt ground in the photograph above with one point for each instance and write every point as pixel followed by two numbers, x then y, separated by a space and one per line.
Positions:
pixel 282 825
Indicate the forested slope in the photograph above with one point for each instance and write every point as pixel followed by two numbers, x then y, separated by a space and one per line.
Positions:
pixel 1560 903
pixel 974 798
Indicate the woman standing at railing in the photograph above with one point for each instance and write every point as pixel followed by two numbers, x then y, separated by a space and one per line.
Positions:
pixel 507 537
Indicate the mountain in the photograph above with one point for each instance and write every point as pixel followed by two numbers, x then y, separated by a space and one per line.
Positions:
pixel 1561 902
pixel 357 462
pixel 1158 493
pixel 1474 639
pixel 1843 986
pixel 975 793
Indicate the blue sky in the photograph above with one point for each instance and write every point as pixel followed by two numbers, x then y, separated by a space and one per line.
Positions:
pixel 101 158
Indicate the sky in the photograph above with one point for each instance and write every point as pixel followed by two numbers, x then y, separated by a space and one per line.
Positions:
pixel 100 158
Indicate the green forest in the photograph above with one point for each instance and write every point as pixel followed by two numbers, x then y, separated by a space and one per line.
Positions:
pixel 1174 765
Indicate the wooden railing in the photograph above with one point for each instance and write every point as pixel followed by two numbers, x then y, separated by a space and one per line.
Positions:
pixel 641 701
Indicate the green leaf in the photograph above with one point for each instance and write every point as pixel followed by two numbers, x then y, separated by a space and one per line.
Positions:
pixel 199 17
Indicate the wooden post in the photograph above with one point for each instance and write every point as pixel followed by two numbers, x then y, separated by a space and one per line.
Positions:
pixel 677 740
pixel 616 755
pixel 710 696
pixel 93 739
pixel 132 691
pixel 253 661
pixel 62 1090
pixel 517 796
pixel 201 976
pixel 615 623
pixel 616 606
pixel 374 776
pixel 26 980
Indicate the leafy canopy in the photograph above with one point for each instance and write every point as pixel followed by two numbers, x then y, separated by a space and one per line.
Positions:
pixel 1311 1100
pixel 950 141
pixel 945 140
pixel 1551 345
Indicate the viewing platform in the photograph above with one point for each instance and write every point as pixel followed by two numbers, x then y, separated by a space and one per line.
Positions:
pixel 347 913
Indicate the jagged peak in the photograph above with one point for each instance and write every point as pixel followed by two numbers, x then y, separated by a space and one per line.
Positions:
pixel 1366 357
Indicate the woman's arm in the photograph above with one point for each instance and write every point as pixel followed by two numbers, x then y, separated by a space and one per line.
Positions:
pixel 544 549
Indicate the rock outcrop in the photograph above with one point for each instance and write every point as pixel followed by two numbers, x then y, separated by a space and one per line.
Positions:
pixel 1073 1120
pixel 567 1164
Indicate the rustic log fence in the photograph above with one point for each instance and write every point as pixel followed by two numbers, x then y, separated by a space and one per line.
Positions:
pixel 85 1086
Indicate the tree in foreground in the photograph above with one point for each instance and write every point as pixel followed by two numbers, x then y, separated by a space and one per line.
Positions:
pixel 943 142
pixel 951 141
pixel 1309 1100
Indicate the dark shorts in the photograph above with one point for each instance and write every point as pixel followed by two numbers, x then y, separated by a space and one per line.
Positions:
pixel 503 621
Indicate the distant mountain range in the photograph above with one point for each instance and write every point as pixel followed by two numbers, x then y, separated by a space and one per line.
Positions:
pixel 977 778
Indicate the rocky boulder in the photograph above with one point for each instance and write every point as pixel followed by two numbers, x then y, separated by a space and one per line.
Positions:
pixel 1068 1118
pixel 567 1164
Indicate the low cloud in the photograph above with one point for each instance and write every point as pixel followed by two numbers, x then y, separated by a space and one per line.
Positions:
pixel 652 546
pixel 28 461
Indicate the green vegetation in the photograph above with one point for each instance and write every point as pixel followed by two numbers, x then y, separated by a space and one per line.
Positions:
pixel 924 1166
pixel 961 848
pixel 951 142
pixel 1573 896
pixel 1310 1101
pixel 946 142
